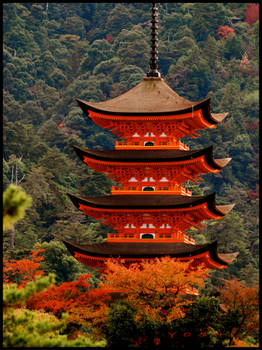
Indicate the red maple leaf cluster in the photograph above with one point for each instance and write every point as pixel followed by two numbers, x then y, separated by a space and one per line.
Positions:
pixel 253 194
pixel 252 13
pixel 24 270
pixel 224 31
pixel 78 299
pixel 109 39
pixel 58 299
pixel 252 126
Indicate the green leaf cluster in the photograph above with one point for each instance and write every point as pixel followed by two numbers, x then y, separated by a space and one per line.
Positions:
pixel 15 202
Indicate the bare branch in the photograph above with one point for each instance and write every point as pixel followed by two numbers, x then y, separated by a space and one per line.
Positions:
pixel 21 179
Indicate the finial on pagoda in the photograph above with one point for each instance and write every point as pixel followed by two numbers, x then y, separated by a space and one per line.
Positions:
pixel 153 61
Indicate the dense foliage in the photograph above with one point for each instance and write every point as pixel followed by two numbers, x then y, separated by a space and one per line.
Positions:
pixel 53 52
pixel 24 328
pixel 155 287
pixel 145 305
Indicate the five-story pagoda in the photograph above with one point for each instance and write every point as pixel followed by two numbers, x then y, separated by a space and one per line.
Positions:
pixel 150 209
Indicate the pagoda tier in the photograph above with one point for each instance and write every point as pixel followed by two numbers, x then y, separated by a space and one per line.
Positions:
pixel 97 254
pixel 158 217
pixel 151 115
pixel 152 170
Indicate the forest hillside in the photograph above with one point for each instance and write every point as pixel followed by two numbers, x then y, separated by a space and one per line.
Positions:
pixel 54 52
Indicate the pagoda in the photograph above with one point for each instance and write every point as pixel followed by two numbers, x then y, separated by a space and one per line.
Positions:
pixel 149 209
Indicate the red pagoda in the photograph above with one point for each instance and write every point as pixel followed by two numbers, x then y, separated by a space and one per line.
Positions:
pixel 150 210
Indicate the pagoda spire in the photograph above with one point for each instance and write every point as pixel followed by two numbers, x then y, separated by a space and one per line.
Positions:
pixel 154 39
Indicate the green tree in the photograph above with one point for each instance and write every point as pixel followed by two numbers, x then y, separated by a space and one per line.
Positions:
pixel 118 18
pixel 57 260
pixel 211 49
pixel 232 47
pixel 132 46
pixel 99 51
pixel 121 325
pixel 205 324
pixel 206 18
pixel 15 202
pixel 74 25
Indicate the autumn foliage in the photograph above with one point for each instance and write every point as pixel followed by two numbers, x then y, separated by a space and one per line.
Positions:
pixel 154 287
pixel 252 195
pixel 109 39
pixel 157 288
pixel 236 296
pixel 252 13
pixel 82 303
pixel 224 31
pixel 158 291
pixel 24 270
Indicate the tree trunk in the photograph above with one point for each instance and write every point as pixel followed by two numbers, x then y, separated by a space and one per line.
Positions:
pixel 12 239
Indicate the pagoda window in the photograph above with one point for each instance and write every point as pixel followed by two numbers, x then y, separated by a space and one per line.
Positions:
pixel 147 236
pixel 129 226
pixel 147 226
pixel 165 226
pixel 164 179
pixel 133 179
pixel 148 143
pixel 148 188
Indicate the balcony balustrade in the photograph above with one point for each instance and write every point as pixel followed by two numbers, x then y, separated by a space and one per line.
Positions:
pixel 158 144
pixel 171 189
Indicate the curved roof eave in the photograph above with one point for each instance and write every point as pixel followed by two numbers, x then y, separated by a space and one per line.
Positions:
pixel 153 156
pixel 145 202
pixel 149 250
pixel 203 104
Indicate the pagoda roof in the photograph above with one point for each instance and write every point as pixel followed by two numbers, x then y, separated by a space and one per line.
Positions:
pixel 154 156
pixel 155 202
pixel 137 250
pixel 151 97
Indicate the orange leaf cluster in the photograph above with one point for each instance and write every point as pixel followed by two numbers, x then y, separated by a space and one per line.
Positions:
pixel 240 344
pixel 24 270
pixel 157 287
pixel 236 295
